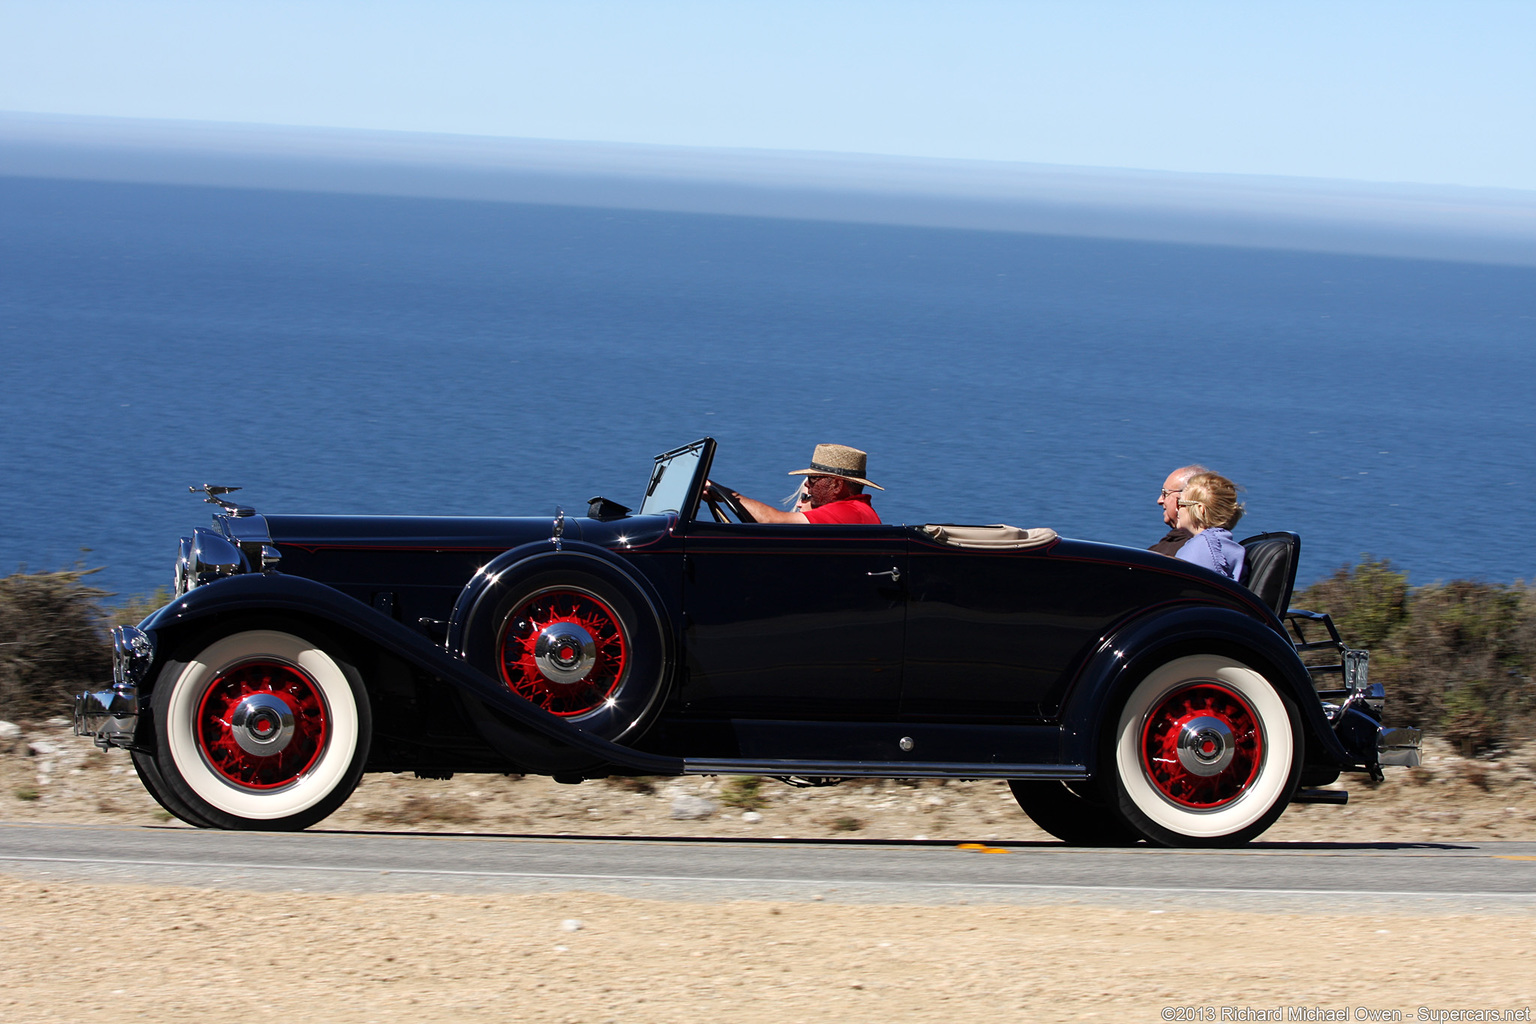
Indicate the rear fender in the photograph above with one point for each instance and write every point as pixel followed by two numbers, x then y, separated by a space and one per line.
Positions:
pixel 1147 642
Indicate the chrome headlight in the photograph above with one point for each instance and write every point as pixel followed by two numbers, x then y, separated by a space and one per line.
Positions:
pixel 204 557
pixel 184 567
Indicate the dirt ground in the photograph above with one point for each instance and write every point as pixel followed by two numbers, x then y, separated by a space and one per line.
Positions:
pixel 50 775
pixel 75 951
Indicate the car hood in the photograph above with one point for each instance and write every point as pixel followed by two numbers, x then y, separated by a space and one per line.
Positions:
pixel 437 533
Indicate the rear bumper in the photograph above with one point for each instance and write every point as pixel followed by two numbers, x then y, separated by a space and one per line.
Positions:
pixel 111 716
pixel 1398 746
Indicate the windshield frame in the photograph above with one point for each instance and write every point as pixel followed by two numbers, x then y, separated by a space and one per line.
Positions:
pixel 663 476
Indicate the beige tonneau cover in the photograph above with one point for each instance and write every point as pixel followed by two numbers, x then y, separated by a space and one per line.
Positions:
pixel 994 538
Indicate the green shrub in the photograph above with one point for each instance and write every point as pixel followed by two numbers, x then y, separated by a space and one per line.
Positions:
pixel 52 642
pixel 53 638
pixel 1368 602
pixel 135 609
pixel 642 784
pixel 1469 721
pixel 1456 658
pixel 744 792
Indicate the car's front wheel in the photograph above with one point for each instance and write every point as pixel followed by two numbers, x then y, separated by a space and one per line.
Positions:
pixel 148 771
pixel 1207 752
pixel 259 729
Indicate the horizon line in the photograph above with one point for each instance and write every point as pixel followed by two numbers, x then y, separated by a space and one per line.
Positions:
pixel 1462 223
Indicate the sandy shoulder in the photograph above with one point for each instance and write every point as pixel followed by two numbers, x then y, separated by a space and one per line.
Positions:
pixel 122 953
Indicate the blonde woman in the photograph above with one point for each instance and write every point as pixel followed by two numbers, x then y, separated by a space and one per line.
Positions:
pixel 1209 509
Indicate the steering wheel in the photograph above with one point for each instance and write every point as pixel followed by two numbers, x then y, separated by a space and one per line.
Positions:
pixel 714 496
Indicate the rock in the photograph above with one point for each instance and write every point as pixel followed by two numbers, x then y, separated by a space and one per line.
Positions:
pixel 42 748
pixel 10 736
pixel 57 722
pixel 751 817
pixel 571 924
pixel 689 808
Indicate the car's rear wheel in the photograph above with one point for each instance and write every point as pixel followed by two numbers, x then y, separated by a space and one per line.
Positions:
pixel 259 729
pixel 1069 816
pixel 1207 752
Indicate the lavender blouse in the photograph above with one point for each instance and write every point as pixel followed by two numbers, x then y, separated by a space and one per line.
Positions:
pixel 1216 550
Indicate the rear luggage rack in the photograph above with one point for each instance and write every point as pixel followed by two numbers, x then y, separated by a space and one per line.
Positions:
pixel 1351 670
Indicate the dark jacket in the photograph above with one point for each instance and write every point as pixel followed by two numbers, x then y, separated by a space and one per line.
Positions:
pixel 1170 544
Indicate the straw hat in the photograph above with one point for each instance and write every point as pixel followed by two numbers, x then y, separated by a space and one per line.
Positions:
pixel 838 460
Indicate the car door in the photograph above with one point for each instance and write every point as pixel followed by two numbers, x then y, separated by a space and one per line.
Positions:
pixel 990 634
pixel 793 622
pixel 996 636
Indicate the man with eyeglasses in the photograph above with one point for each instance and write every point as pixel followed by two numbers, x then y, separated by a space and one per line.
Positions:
pixel 834 491
pixel 1169 499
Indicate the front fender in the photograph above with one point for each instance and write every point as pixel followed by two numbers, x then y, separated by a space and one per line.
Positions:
pixel 1142 644
pixel 294 595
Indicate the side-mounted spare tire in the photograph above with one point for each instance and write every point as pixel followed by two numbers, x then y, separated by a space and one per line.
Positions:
pixel 1205 751
pixel 577 637
pixel 258 729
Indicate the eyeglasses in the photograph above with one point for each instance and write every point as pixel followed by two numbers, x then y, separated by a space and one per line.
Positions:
pixel 1165 492
pixel 1189 504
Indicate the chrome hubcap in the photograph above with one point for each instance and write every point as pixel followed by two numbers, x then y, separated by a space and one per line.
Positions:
pixel 1205 746
pixel 262 724
pixel 564 653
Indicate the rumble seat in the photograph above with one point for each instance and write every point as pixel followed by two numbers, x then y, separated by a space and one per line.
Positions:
pixel 1269 568
pixel 993 538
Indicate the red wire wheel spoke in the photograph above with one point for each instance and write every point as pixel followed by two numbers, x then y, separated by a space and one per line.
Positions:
pixel 1160 746
pixel 216 732
pixel 520 669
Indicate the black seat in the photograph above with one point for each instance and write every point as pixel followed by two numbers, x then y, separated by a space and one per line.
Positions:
pixel 1269 568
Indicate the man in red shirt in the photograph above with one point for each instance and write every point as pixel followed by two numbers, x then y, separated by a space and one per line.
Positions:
pixel 834 486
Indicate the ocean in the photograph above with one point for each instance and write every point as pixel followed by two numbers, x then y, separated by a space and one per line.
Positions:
pixel 362 354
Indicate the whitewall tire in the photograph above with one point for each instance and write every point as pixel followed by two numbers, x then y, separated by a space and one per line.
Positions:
pixel 261 729
pixel 1206 752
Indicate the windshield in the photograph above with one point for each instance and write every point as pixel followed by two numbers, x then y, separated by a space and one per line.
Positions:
pixel 677 479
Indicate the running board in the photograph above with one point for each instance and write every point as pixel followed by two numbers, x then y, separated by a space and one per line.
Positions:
pixel 1321 796
pixel 882 769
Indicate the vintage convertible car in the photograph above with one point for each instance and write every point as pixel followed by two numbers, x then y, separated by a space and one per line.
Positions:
pixel 1124 696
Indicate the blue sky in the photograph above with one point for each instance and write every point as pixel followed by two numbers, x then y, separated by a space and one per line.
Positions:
pixel 1437 93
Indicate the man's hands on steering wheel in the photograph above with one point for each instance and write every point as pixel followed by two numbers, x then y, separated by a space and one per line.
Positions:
pixel 715 496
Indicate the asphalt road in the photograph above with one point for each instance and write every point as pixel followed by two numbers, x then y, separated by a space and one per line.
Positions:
pixel 1382 877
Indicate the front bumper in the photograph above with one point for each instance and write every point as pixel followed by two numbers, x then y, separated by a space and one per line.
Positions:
pixel 111 716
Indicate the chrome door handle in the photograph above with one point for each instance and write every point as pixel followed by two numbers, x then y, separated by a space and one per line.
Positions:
pixel 894 573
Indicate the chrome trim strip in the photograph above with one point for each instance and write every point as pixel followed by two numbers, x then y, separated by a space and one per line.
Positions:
pixel 882 769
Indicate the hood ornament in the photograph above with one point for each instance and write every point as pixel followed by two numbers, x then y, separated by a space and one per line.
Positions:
pixel 215 496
